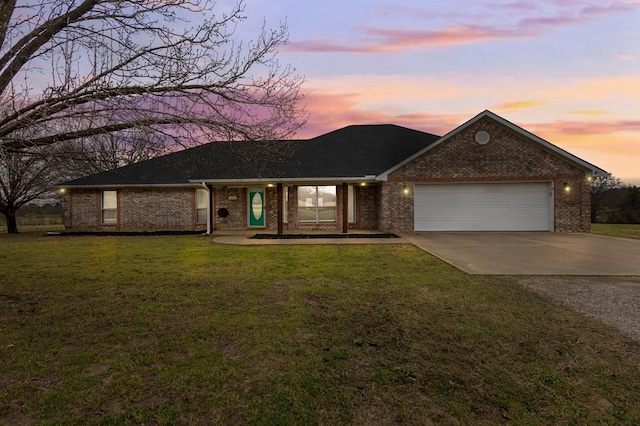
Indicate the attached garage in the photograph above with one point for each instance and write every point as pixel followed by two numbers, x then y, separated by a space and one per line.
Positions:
pixel 523 206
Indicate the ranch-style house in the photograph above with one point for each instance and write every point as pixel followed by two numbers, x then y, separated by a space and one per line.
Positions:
pixel 485 175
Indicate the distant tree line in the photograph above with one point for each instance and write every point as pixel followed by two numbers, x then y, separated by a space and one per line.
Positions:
pixel 614 202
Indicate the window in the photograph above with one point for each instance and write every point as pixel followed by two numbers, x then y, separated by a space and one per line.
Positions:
pixel 202 201
pixel 351 209
pixel 316 204
pixel 285 204
pixel 109 207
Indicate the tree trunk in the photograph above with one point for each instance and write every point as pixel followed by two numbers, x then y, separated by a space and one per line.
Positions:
pixel 12 225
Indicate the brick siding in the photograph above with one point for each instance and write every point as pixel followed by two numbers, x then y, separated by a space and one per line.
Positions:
pixel 139 210
pixel 366 207
pixel 507 157
pixel 235 201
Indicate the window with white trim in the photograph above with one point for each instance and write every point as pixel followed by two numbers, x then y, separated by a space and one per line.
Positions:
pixel 109 207
pixel 285 204
pixel 202 200
pixel 317 204
pixel 351 208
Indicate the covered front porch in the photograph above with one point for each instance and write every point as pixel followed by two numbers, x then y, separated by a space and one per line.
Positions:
pixel 291 207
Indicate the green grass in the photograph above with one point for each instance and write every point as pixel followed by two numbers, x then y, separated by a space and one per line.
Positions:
pixel 178 330
pixel 40 223
pixel 617 230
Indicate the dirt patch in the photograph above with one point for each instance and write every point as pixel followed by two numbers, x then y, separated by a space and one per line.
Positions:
pixel 613 300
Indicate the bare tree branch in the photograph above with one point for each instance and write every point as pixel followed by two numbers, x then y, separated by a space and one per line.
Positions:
pixel 71 69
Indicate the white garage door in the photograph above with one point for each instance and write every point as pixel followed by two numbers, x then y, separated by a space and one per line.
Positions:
pixel 483 207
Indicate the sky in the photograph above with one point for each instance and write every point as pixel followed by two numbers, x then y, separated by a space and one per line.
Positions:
pixel 566 70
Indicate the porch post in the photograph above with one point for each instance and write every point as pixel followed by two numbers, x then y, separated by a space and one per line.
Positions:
pixel 345 207
pixel 279 208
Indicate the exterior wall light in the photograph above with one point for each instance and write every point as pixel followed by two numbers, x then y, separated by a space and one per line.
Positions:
pixel 270 185
pixel 363 184
pixel 589 178
pixel 566 187
pixel 405 190
pixel 62 190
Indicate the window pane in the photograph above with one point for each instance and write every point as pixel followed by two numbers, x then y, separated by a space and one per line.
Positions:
pixel 201 216
pixel 285 205
pixel 317 204
pixel 327 202
pixel 306 196
pixel 352 204
pixel 109 216
pixel 326 214
pixel 307 214
pixel 109 199
pixel 201 198
pixel 109 207
pixel 306 204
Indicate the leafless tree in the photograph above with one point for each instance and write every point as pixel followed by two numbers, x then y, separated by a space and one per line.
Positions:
pixel 73 69
pixel 25 176
pixel 108 151
pixel 110 82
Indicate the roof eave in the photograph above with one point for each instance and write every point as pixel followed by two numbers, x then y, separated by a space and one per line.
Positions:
pixel 296 180
pixel 129 185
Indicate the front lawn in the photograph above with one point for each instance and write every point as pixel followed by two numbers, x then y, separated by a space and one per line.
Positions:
pixel 179 330
pixel 616 230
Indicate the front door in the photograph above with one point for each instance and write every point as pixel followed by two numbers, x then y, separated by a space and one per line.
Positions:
pixel 256 208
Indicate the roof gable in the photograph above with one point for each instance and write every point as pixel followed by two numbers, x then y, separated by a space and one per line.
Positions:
pixel 596 171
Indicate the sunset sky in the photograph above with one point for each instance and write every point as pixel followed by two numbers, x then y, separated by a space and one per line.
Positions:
pixel 568 71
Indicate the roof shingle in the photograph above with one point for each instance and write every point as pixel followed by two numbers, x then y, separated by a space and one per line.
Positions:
pixel 353 151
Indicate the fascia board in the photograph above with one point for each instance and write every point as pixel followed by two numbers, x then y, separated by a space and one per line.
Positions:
pixel 115 186
pixel 302 180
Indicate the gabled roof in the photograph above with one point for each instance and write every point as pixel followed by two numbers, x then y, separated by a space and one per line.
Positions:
pixel 358 152
pixel 596 171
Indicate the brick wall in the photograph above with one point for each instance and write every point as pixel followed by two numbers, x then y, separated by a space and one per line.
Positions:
pixel 82 210
pixel 235 201
pixel 507 157
pixel 139 210
pixel 154 209
pixel 366 207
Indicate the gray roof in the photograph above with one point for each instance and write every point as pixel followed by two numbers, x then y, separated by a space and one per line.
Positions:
pixel 351 152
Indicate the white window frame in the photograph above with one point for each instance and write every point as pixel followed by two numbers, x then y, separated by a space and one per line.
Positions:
pixel 285 204
pixel 109 205
pixel 202 205
pixel 351 209
pixel 317 203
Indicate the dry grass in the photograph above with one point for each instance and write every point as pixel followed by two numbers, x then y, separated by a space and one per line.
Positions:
pixel 176 329
pixel 616 230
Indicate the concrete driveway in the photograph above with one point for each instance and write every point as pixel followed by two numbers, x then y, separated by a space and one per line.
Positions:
pixel 532 253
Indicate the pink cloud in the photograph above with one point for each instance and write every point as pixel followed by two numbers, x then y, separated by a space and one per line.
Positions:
pixel 400 39
pixel 333 111
pixel 394 40
pixel 518 105
pixel 382 40
pixel 585 128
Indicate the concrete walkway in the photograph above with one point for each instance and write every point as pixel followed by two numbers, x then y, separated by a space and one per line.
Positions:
pixel 532 253
pixel 495 253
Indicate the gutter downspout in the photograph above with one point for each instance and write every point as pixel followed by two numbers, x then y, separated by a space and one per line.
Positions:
pixel 204 185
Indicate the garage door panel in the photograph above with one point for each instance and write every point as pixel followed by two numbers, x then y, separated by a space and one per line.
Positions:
pixel 483 207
